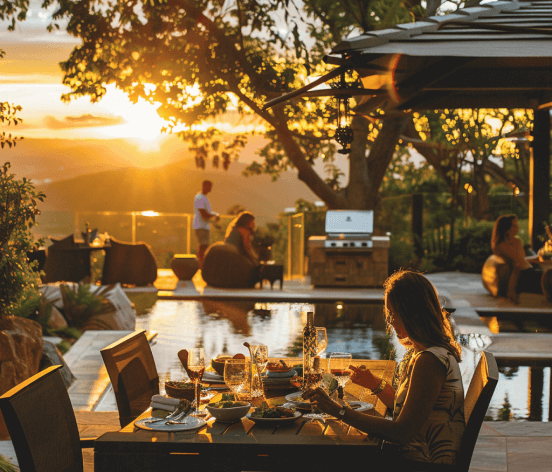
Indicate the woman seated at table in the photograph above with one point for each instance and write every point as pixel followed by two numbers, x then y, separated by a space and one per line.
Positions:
pixel 524 277
pixel 428 405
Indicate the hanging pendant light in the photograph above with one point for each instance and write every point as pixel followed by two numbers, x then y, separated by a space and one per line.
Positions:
pixel 343 133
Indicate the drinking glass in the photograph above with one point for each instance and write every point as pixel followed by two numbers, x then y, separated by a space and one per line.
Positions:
pixel 236 376
pixel 339 367
pixel 196 368
pixel 259 361
pixel 260 354
pixel 322 340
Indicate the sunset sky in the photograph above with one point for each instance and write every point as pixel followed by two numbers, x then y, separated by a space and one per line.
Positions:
pixel 30 76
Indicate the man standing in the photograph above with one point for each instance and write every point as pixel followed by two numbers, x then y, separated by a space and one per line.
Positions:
pixel 202 215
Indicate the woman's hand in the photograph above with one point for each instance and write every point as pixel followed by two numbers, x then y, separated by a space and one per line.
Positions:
pixel 321 400
pixel 363 377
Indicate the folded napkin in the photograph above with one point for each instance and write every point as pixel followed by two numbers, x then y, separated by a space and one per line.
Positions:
pixel 160 402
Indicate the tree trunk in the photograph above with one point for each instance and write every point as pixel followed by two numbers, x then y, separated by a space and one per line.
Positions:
pixel 381 155
pixel 360 182
pixel 482 207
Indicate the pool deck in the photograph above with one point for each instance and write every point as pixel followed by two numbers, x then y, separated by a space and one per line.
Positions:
pixel 501 446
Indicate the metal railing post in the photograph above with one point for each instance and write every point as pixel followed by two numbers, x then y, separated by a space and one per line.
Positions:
pixel 289 247
pixel 133 226
pixel 188 233
pixel 302 247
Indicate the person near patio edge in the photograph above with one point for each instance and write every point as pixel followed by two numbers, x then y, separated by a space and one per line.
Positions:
pixel 202 215
pixel 428 405
pixel 524 277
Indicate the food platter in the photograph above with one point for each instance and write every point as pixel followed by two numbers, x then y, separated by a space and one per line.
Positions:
pixel 274 421
pixel 355 405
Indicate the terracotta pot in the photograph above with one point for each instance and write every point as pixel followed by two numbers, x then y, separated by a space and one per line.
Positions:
pixel 184 266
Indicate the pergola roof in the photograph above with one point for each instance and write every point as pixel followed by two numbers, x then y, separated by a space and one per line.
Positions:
pixel 495 55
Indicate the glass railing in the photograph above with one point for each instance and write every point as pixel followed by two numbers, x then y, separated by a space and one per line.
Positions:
pixel 167 233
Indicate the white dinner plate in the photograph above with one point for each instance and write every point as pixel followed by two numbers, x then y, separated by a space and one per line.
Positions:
pixel 274 421
pixel 292 398
pixel 192 423
pixel 212 377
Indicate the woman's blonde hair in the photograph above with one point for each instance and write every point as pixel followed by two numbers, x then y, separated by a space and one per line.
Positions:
pixel 414 299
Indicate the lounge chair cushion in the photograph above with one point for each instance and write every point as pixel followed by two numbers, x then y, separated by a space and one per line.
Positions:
pixel 225 267
pixel 495 275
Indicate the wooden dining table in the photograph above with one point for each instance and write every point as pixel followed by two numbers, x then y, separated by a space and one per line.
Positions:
pixel 246 445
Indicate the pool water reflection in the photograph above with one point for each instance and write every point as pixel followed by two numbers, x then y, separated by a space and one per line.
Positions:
pixel 221 327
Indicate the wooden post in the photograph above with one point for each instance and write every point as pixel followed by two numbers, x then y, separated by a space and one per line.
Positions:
pixel 539 177
pixel 418 223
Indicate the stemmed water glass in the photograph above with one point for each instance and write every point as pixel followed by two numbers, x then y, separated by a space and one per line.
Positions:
pixel 322 340
pixel 236 376
pixel 259 361
pixel 196 368
pixel 260 353
pixel 339 368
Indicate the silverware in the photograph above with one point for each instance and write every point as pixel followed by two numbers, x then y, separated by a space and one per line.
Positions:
pixel 175 413
pixel 182 416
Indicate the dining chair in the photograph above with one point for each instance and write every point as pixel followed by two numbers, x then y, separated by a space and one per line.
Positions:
pixel 476 403
pixel 42 425
pixel 133 374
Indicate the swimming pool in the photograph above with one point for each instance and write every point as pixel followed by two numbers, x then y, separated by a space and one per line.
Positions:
pixel 221 327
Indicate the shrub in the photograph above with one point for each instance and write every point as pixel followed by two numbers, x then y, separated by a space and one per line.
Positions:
pixel 473 246
pixel 18 210
pixel 80 304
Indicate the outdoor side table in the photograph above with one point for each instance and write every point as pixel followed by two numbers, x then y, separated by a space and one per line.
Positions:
pixel 272 272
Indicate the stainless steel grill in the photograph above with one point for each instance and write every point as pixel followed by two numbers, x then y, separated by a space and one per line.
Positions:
pixel 349 254
pixel 349 229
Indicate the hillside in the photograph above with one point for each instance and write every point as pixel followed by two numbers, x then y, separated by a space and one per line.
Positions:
pixel 172 188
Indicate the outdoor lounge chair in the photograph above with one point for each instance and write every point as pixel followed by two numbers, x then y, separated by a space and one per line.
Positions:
pixel 42 425
pixel 64 262
pixel 133 374
pixel 476 403
pixel 225 267
pixel 129 263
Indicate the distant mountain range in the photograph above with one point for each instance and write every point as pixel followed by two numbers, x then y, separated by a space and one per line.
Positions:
pixel 93 175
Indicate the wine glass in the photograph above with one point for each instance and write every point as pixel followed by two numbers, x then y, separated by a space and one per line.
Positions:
pixel 322 340
pixel 236 376
pixel 259 361
pixel 339 368
pixel 260 353
pixel 196 368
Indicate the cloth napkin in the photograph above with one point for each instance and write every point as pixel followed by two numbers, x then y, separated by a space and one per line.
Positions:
pixel 159 402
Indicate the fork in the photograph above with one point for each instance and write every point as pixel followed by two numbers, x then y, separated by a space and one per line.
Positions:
pixel 176 413
pixel 182 416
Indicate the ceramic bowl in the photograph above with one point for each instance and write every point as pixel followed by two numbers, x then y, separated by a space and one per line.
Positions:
pixel 180 390
pixel 218 364
pixel 229 414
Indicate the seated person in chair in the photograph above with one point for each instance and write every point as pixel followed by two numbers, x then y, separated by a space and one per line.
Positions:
pixel 240 234
pixel 233 263
pixel 524 277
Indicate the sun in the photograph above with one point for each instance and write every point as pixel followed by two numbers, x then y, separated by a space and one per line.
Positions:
pixel 141 118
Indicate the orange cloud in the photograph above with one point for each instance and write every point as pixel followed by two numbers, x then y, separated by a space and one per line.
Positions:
pixel 83 121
